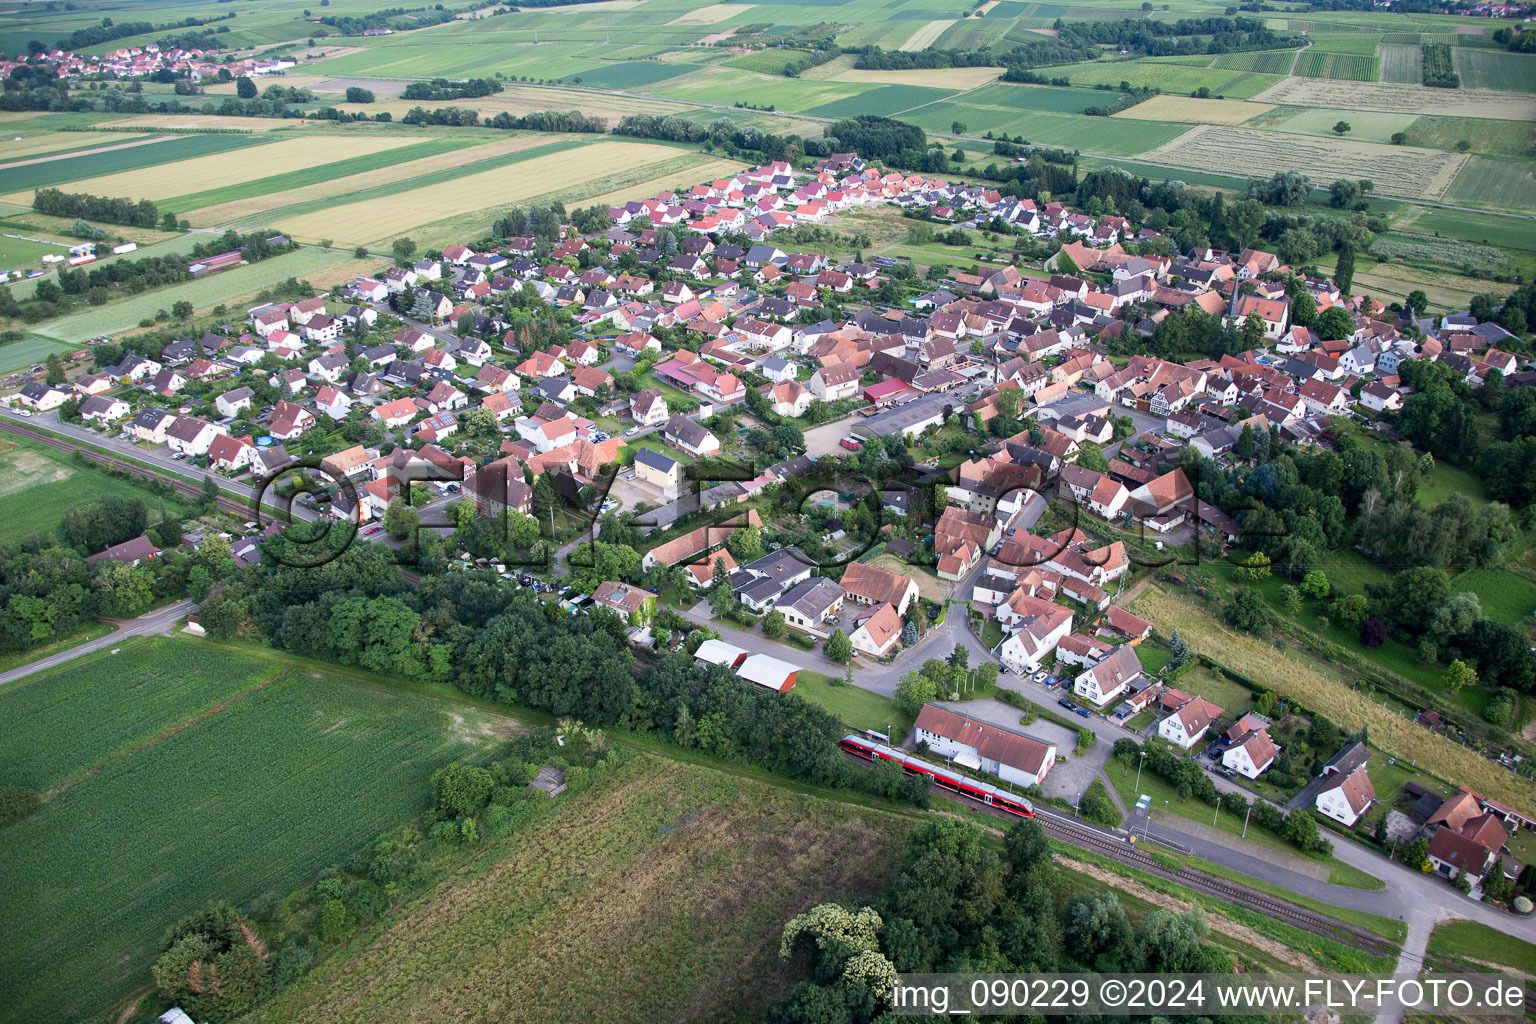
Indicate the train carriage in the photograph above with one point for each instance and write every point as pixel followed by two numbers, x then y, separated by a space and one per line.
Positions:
pixel 953 781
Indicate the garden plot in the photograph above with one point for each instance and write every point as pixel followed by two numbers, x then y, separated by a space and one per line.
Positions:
pixel 1399 99
pixel 1411 174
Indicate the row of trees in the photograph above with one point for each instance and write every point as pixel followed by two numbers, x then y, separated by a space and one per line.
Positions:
pixel 58 203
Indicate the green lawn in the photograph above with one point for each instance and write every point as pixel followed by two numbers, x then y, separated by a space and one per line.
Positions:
pixel 1351 876
pixel 39 484
pixel 1506 597
pixel 166 751
pixel 1471 940
pixel 25 254
pixel 857 707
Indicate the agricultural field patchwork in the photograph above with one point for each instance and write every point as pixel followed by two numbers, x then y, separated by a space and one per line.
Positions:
pixel 1481 134
pixel 52 145
pixel 1403 65
pixel 164 179
pixel 1396 170
pixel 563 167
pixel 73 170
pixel 1491 182
pixel 663 848
pixel 1399 99
pixel 1347 67
pixel 168 749
pixel 1171 78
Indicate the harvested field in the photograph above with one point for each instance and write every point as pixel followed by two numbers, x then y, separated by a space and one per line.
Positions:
pixel 373 220
pixel 48 143
pixel 1392 732
pixel 655 895
pixel 256 205
pixel 704 15
pixel 1192 111
pixel 1412 174
pixel 925 36
pixel 245 124
pixel 649 187
pixel 939 78
pixel 1396 99
pixel 209 172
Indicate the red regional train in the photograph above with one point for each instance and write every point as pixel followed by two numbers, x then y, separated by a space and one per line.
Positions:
pixel 953 781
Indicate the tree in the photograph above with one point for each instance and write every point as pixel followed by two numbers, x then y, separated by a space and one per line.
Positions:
pixel 957 127
pixel 245 88
pixel 403 248
pixel 1416 854
pixel 773 624
pixel 214 965
pixel 908 634
pixel 356 94
pixel 1373 633
pixel 181 310
pixel 1343 273
pixel 1315 585
pixel 1179 648
pixel 1341 127
pixel 1290 599
pixel 461 790
pixel 1246 610
pixel 1459 675
pixel 838 647
pixel 913 691
pixel 55 364
pixel 1335 323
pixel 721 597
pixel 400 519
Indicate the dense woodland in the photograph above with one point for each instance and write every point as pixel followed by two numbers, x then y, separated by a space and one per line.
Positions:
pixel 958 905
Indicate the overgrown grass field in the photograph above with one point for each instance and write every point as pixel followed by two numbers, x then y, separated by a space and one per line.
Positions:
pixel 657 894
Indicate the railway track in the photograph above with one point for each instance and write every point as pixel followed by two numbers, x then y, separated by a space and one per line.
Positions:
pixel 1085 836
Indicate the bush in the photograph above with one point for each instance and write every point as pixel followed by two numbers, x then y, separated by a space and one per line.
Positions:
pixel 16 803
pixel 1522 905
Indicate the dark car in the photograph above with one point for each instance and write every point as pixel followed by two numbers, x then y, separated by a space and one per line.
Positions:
pixel 1067 704
pixel 1084 712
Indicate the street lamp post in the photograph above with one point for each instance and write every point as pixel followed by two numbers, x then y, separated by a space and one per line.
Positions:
pixel 1218 809
pixel 1138 770
pixel 1245 820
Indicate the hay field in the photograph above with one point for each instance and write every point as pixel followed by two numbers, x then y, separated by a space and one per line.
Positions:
pixel 655 895
pixel 649 187
pixel 704 15
pixel 224 213
pixel 1391 732
pixel 246 124
pixel 1396 170
pixel 373 220
pixel 938 78
pixel 1192 111
pixel 1398 99
pixel 209 172
pixel 924 37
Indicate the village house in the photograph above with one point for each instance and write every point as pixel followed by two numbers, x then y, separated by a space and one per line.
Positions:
pixel 997 750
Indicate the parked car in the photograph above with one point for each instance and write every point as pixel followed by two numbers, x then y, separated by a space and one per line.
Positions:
pixel 632 431
pixel 1038 677
pixel 1083 711
pixel 1067 704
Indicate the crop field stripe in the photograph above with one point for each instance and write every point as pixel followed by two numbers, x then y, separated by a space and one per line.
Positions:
pixel 286 151
pixel 1322 92
pixel 55 145
pixel 440 177
pixel 304 771
pixel 79 168
pixel 298 177
pixel 1496 69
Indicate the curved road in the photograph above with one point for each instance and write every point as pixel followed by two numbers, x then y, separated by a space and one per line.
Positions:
pixel 158 621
